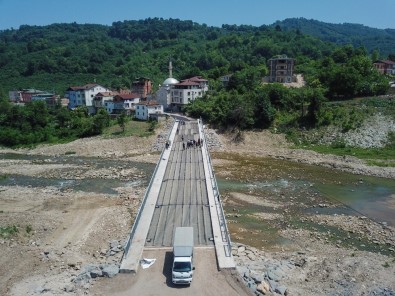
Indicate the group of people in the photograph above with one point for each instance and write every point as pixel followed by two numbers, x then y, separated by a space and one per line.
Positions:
pixel 192 143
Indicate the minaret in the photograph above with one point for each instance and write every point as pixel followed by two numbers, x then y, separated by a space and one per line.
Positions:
pixel 170 69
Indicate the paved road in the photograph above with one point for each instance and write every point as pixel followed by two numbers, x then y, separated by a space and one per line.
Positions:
pixel 182 199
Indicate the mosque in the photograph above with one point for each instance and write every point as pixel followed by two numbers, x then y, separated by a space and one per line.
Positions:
pixel 173 94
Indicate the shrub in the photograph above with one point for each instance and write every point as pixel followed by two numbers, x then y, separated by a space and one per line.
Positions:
pixel 8 231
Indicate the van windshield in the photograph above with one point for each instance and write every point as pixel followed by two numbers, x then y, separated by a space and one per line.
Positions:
pixel 182 266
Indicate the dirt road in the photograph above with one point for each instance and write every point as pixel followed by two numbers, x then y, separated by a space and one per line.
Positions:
pixel 156 280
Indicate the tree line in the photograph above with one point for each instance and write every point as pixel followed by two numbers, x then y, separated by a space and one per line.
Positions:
pixel 36 123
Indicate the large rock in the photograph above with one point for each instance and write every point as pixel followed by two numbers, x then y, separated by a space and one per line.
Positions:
pixel 258 277
pixel 82 279
pixel 241 249
pixel 110 270
pixel 263 288
pixel 281 290
pixel 273 276
pixel 97 272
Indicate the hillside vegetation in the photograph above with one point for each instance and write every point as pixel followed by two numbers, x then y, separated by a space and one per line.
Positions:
pixel 382 41
pixel 57 56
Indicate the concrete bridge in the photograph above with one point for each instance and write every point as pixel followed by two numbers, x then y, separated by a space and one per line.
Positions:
pixel 183 192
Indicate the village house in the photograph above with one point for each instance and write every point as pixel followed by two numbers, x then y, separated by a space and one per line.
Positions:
pixel 385 67
pixel 148 110
pixel 225 79
pixel 84 95
pixel 25 95
pixel 281 69
pixel 187 91
pixel 129 102
pixel 101 98
pixel 29 95
pixel 116 103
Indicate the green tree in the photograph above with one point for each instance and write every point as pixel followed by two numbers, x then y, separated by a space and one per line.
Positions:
pixel 100 121
pixel 122 119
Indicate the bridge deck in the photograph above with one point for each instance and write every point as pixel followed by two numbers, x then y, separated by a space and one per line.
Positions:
pixel 182 193
pixel 182 199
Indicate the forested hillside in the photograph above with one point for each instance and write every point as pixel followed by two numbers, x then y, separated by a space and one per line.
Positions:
pixel 342 34
pixel 60 55
pixel 57 56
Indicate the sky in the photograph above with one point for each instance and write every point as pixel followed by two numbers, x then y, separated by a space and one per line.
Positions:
pixel 376 14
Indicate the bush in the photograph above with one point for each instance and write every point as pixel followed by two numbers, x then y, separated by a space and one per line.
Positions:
pixel 338 144
pixel 8 231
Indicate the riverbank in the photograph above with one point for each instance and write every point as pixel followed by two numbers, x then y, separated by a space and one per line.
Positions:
pixel 62 230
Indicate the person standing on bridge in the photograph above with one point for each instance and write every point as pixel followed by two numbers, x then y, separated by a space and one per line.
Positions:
pixel 183 146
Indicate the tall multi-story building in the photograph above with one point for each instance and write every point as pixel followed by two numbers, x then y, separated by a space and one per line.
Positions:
pixel 281 69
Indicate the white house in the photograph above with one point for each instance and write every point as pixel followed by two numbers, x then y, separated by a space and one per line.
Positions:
pixel 83 95
pixel 129 101
pixel 146 110
pixel 187 91
pixel 101 98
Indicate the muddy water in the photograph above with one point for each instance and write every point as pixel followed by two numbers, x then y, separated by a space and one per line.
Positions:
pixel 263 196
pixel 96 185
pixel 369 196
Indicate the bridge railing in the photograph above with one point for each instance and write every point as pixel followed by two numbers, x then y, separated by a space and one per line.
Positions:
pixel 136 220
pixel 218 201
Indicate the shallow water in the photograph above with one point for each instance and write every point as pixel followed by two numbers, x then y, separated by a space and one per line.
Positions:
pixel 374 198
pixel 96 185
pixel 361 195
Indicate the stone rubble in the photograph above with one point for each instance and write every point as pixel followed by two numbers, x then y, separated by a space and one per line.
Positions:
pixel 261 275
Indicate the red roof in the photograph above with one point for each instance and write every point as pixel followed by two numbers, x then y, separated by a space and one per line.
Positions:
pixel 149 103
pixel 187 82
pixel 388 62
pixel 197 79
pixel 106 94
pixel 129 96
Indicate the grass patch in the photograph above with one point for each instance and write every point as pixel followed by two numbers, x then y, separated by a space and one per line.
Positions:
pixel 383 157
pixel 29 228
pixel 132 128
pixel 8 231
pixel 386 265
pixel 378 155
pixel 3 177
